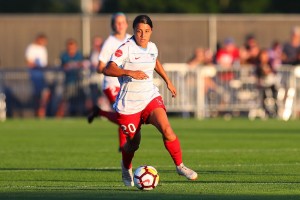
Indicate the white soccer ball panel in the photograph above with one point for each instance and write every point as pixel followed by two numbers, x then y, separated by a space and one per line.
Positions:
pixel 139 171
pixel 146 178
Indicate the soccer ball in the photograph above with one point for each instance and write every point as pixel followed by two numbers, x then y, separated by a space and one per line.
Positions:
pixel 145 177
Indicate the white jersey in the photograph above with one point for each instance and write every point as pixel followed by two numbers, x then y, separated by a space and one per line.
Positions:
pixel 134 94
pixel 110 45
pixel 37 54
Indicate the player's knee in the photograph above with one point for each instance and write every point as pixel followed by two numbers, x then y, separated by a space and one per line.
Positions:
pixel 134 147
pixel 168 133
pixel 131 148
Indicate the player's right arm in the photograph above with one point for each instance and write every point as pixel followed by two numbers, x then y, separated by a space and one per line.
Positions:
pixel 112 69
pixel 115 67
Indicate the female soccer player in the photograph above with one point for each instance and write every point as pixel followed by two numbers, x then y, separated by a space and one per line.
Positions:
pixel 139 100
pixel 111 85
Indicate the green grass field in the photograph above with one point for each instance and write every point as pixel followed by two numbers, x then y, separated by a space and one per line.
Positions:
pixel 69 159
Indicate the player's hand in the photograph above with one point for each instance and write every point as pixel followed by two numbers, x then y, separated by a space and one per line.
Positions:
pixel 172 89
pixel 139 75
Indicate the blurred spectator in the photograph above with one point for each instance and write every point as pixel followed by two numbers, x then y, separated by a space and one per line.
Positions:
pixel 71 58
pixel 94 55
pixel 244 54
pixel 71 62
pixel 228 55
pixel 275 55
pixel 37 58
pixel 250 41
pixel 95 78
pixel 297 61
pixel 291 48
pixel 252 49
pixel 201 57
pixel 267 82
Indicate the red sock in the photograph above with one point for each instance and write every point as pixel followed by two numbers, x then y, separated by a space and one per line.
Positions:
pixel 127 159
pixel 174 150
pixel 122 138
pixel 111 116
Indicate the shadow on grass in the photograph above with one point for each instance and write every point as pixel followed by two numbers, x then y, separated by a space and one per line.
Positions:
pixel 130 194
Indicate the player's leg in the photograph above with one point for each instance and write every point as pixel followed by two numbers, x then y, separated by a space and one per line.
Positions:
pixel 129 149
pixel 127 155
pixel 158 117
pixel 96 111
pixel 122 138
pixel 131 127
pixel 111 93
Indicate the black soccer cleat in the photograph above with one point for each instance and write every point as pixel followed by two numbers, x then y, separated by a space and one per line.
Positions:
pixel 94 113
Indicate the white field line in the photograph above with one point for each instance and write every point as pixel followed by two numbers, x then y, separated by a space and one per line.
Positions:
pixel 251 165
pixel 90 187
pixel 282 150
pixel 240 150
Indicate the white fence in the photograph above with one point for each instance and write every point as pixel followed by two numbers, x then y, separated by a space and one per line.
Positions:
pixel 203 92
pixel 210 91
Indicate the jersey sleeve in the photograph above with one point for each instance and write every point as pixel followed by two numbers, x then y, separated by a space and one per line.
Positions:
pixel 120 56
pixel 105 53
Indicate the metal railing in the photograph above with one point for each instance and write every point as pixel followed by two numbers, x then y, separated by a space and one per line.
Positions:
pixel 203 92
pixel 210 91
pixel 65 94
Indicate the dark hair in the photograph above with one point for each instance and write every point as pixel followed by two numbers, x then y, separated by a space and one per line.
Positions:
pixel 144 19
pixel 113 19
pixel 41 35
pixel 71 41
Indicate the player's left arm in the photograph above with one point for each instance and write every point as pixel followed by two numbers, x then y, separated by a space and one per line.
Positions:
pixel 161 71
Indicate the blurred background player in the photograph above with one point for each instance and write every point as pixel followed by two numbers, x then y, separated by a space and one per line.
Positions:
pixel 36 55
pixel 94 55
pixel 95 80
pixel 71 63
pixel 139 101
pixel 111 85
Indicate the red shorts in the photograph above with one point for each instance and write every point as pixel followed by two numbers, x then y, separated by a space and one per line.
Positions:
pixel 131 124
pixel 112 93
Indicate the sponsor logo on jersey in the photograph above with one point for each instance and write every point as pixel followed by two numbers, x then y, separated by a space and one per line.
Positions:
pixel 119 53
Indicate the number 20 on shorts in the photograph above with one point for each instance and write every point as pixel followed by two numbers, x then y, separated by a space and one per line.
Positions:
pixel 130 128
